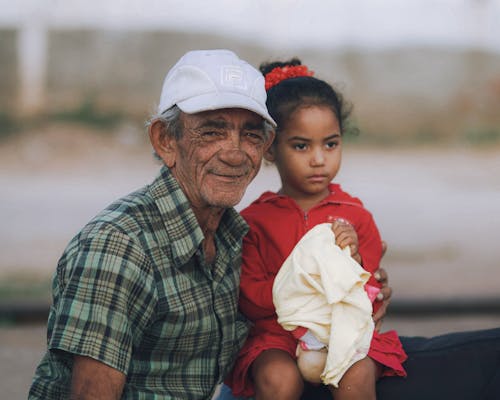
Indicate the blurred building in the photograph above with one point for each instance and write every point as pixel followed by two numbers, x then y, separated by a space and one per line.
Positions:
pixel 58 56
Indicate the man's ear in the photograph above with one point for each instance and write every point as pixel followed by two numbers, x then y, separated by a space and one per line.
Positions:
pixel 163 143
pixel 269 152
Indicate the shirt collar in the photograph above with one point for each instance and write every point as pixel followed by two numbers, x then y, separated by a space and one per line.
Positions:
pixel 336 196
pixel 277 197
pixel 184 232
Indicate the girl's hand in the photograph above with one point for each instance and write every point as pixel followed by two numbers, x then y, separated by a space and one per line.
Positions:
pixel 345 235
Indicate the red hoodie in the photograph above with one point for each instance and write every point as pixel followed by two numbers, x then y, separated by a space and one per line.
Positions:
pixel 277 223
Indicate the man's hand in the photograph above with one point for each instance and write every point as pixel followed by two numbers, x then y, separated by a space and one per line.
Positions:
pixel 384 296
pixel 345 235
pixel 385 292
pixel 94 380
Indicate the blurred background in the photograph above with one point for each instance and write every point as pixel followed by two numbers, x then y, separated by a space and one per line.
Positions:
pixel 78 80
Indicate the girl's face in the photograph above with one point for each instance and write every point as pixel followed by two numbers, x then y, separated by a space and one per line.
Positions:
pixel 307 153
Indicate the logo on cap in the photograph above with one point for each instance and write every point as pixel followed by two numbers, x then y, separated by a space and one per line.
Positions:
pixel 232 76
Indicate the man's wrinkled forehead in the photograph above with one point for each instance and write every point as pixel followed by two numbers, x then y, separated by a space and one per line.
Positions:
pixel 224 118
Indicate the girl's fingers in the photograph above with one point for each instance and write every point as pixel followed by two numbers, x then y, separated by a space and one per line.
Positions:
pixel 345 239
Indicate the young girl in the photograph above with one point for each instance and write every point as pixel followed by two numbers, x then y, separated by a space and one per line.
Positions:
pixel 311 118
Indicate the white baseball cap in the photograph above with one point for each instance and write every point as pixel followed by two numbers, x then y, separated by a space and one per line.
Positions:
pixel 205 80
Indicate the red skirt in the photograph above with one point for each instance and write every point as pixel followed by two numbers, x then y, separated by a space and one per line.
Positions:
pixel 385 348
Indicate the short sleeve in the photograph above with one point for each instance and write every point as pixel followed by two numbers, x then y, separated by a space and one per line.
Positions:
pixel 106 298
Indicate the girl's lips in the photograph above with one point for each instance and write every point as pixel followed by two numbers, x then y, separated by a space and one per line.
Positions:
pixel 317 178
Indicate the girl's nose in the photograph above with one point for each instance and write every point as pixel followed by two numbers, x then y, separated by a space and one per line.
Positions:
pixel 318 158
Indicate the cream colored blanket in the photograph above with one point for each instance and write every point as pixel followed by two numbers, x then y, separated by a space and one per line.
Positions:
pixel 320 287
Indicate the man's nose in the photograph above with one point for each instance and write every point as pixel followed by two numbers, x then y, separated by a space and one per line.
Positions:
pixel 231 151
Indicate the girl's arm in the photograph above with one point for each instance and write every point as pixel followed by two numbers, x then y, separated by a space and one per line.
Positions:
pixel 256 282
pixel 370 249
pixel 370 244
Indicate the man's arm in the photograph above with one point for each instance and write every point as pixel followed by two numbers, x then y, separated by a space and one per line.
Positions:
pixel 94 380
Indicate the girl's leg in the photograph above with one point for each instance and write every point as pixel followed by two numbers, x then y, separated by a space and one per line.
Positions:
pixel 276 376
pixel 358 382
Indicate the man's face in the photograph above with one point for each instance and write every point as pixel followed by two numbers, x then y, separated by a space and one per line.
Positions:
pixel 218 155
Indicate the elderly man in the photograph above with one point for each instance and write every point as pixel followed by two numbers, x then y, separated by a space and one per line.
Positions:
pixel 145 296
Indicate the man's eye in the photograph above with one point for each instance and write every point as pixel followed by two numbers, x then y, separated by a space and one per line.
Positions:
pixel 210 133
pixel 255 137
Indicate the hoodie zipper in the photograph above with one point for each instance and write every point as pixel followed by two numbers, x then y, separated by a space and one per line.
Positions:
pixel 306 221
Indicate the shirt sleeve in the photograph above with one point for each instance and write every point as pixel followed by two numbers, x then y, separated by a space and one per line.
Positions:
pixel 370 244
pixel 256 283
pixel 106 298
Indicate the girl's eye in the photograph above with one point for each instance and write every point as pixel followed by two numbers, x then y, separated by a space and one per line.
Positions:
pixel 331 145
pixel 299 146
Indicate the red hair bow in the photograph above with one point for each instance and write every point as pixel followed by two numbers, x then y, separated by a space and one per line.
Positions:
pixel 279 74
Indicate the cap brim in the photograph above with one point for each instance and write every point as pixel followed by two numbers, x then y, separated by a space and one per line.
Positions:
pixel 214 101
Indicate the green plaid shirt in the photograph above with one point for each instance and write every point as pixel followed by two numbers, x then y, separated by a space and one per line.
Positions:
pixel 132 290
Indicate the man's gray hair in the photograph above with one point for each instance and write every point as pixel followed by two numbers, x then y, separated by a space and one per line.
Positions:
pixel 268 128
pixel 171 121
